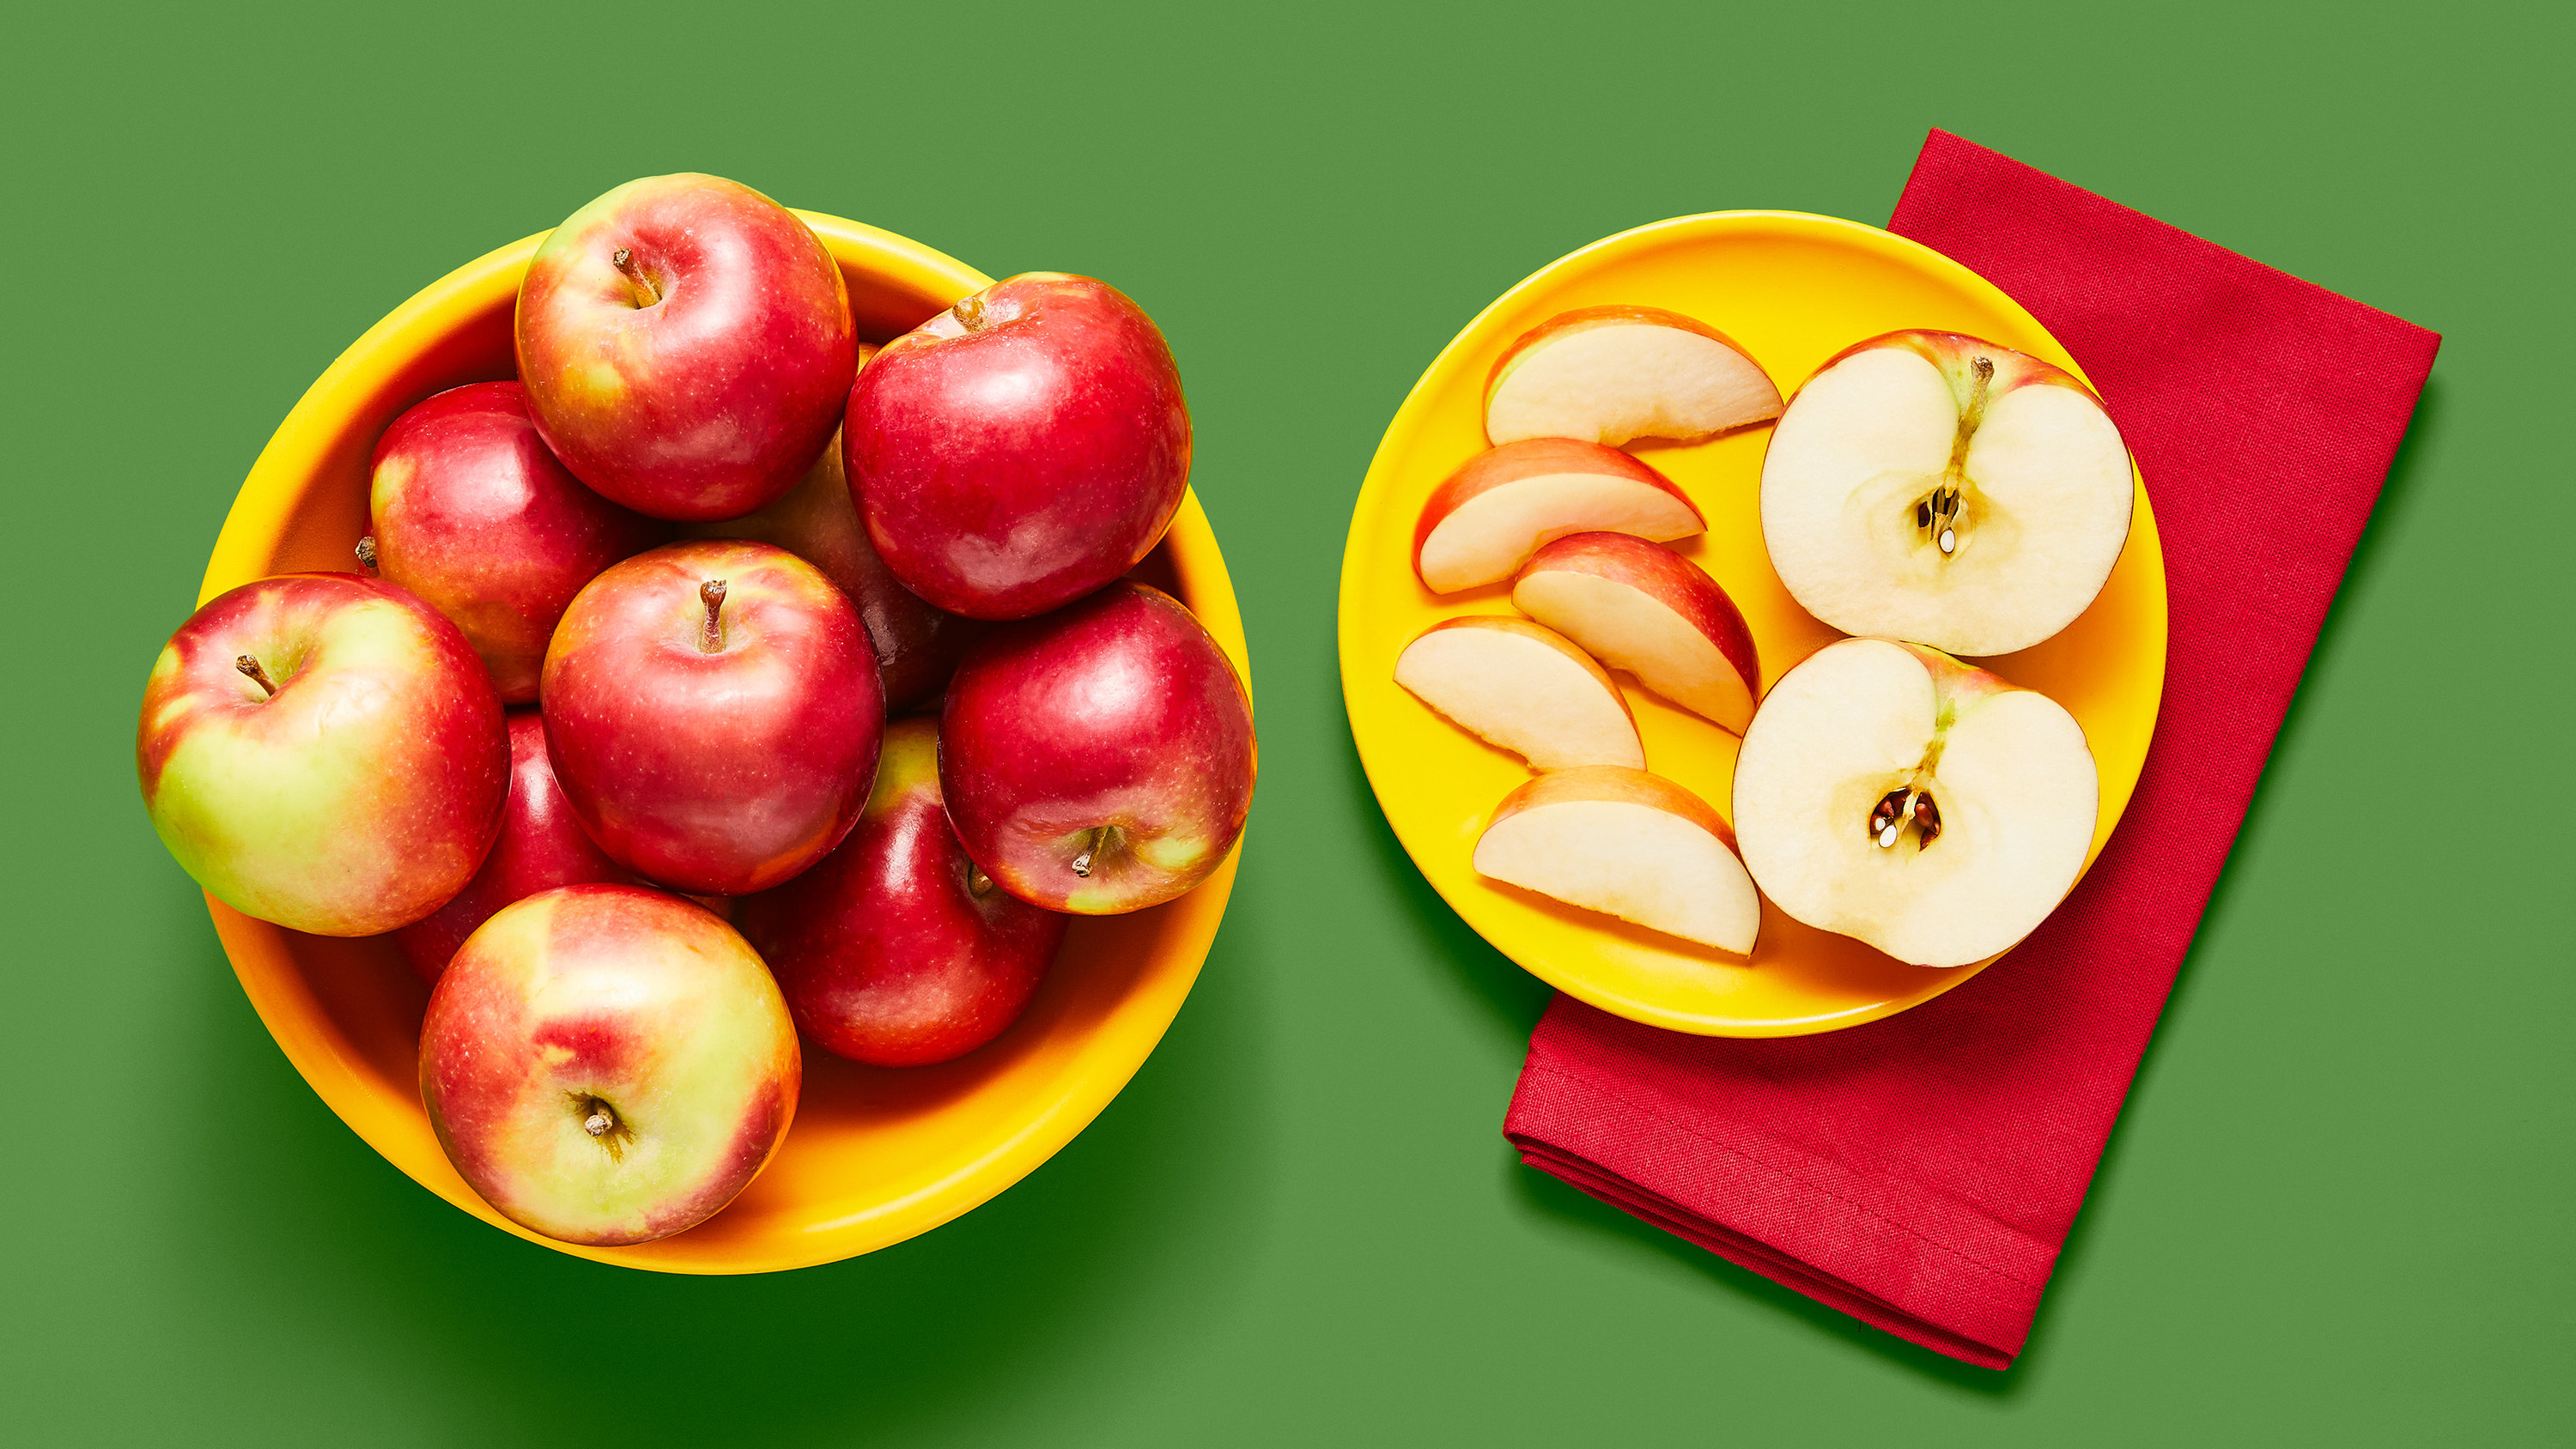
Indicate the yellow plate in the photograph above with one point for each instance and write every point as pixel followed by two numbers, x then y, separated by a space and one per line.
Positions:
pixel 1793 289
pixel 875 1156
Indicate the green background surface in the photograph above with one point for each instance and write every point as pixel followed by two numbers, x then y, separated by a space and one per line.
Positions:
pixel 2337 1209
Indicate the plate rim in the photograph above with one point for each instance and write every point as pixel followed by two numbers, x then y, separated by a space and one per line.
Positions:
pixel 1379 478
pixel 256 525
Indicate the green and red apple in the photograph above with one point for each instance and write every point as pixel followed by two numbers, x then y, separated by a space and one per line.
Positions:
pixel 713 712
pixel 324 751
pixel 1098 759
pixel 1022 448
pixel 896 949
pixel 470 510
pixel 607 1064
pixel 687 346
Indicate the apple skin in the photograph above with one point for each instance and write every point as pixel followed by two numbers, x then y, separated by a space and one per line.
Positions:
pixel 887 952
pixel 608 996
pixel 918 645
pixel 471 511
pixel 541 847
pixel 1540 522
pixel 1021 449
pixel 358 797
pixel 1116 712
pixel 1669 579
pixel 707 395
pixel 713 773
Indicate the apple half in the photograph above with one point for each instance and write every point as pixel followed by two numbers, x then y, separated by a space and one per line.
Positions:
pixel 1525 688
pixel 1641 607
pixel 1628 844
pixel 1890 793
pixel 1609 374
pixel 1936 487
pixel 1482 524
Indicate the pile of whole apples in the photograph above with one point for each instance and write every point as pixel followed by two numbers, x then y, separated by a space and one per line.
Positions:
pixel 605 743
pixel 1938 494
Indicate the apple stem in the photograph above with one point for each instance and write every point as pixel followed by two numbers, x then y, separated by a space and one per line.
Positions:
pixel 367 551
pixel 599 1121
pixel 711 638
pixel 646 294
pixel 1082 863
pixel 249 665
pixel 978 884
pixel 970 312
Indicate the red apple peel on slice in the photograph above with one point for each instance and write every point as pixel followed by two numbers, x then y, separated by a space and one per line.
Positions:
pixel 1610 374
pixel 1641 607
pixel 1627 844
pixel 1486 520
pixel 1524 688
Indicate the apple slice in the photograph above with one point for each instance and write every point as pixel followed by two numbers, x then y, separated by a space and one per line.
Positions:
pixel 1511 683
pixel 1930 486
pixel 1641 607
pixel 1628 844
pixel 1890 793
pixel 1608 374
pixel 1481 525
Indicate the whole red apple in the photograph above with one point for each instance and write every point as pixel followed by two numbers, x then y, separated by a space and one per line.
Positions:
pixel 1100 759
pixel 687 346
pixel 471 511
pixel 917 646
pixel 323 751
pixel 608 1064
pixel 713 713
pixel 895 949
pixel 1020 449
pixel 541 847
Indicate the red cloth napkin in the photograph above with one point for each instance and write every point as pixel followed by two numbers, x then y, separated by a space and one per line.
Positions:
pixel 1920 1173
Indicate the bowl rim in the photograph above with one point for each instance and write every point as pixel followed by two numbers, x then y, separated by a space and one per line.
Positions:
pixel 1114 1048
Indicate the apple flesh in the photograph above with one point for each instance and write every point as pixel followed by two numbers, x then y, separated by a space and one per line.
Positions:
pixel 1627 844
pixel 1939 488
pixel 896 949
pixel 1890 793
pixel 541 847
pixel 713 713
pixel 470 510
pixel 1486 520
pixel 1609 374
pixel 917 645
pixel 1524 688
pixel 1641 607
pixel 323 751
pixel 607 1064
pixel 1022 448
pixel 686 343
pixel 1100 759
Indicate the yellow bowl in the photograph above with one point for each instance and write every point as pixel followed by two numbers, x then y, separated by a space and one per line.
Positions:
pixel 875 1156
pixel 1793 289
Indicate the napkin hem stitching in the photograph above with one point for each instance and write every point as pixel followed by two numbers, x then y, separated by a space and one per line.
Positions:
pixel 1737 1152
